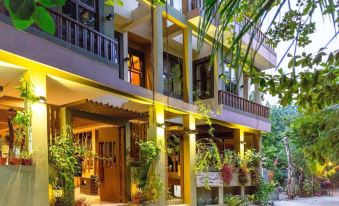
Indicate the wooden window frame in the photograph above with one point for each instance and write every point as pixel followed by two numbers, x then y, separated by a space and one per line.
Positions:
pixel 141 56
pixel 195 81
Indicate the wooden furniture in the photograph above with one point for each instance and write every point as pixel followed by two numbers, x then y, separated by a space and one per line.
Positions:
pixel 88 186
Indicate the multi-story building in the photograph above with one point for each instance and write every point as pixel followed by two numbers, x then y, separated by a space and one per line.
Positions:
pixel 108 72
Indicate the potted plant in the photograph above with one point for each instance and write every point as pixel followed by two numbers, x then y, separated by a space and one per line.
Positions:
pixel 26 158
pixel 3 160
pixel 149 184
pixel 230 159
pixel 14 160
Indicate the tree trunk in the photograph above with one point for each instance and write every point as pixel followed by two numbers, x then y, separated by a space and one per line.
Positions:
pixel 290 182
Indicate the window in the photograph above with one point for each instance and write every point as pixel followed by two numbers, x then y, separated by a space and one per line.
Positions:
pixel 173 76
pixel 203 78
pixel 83 11
pixel 136 68
pixel 231 82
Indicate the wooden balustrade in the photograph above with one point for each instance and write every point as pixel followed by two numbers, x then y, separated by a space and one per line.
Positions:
pixel 85 37
pixel 82 36
pixel 242 104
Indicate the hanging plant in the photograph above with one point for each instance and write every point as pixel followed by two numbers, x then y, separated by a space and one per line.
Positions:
pixel 254 177
pixel 207 156
pixel 227 173
pixel 243 172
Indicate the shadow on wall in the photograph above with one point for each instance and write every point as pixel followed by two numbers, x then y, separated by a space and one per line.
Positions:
pixel 17 185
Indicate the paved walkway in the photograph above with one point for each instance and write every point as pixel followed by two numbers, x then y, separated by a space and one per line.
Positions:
pixel 312 201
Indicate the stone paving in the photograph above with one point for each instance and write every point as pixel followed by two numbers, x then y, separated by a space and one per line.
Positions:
pixel 312 201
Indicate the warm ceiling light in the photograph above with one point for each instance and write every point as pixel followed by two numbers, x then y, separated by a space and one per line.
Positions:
pixel 42 99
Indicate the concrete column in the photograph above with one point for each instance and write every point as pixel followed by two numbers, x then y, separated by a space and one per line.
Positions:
pixel 246 87
pixel 125 54
pixel 39 140
pixel 158 50
pixel 156 132
pixel 241 84
pixel 187 70
pixel 218 70
pixel 128 178
pixel 190 189
pixel 239 140
pixel 257 94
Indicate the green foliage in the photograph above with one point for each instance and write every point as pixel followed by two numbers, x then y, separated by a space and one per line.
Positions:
pixel 318 134
pixel 149 184
pixel 62 157
pixel 236 200
pixel 313 88
pixel 207 156
pixel 26 12
pixel 263 192
pixel 114 2
pixel 273 149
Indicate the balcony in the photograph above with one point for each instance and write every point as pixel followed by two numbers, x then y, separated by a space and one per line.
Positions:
pixel 194 7
pixel 239 103
pixel 82 38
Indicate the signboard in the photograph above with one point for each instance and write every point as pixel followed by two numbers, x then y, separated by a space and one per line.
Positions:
pixel 214 179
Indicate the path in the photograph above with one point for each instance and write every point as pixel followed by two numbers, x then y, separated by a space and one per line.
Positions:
pixel 312 201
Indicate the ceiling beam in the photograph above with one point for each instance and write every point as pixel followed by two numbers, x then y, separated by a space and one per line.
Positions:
pixel 136 22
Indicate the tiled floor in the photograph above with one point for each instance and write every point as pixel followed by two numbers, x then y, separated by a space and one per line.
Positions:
pixel 94 200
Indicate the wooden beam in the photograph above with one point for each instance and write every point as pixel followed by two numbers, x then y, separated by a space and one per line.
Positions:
pixel 137 22
pixel 100 118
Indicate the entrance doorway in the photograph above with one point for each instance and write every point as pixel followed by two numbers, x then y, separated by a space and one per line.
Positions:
pixel 101 176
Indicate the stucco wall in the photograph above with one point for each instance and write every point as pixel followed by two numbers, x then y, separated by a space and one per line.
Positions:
pixel 17 187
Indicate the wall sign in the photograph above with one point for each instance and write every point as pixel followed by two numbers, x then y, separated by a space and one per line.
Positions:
pixel 214 179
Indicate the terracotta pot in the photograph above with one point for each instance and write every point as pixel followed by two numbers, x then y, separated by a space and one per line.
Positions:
pixel 26 162
pixel 3 160
pixel 14 161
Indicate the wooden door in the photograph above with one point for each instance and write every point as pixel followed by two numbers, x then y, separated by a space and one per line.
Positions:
pixel 110 168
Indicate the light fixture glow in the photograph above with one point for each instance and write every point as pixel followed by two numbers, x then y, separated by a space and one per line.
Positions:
pixel 42 99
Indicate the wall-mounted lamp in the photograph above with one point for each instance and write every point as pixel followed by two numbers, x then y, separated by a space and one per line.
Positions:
pixel 243 142
pixel 57 193
pixel 126 59
pixel 161 125
pixel 42 99
pixel 194 131
pixel 109 17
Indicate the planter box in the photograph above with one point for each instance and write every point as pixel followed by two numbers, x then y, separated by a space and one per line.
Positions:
pixel 215 180
pixel 17 185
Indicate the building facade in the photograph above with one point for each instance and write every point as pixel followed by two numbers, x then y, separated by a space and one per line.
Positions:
pixel 121 75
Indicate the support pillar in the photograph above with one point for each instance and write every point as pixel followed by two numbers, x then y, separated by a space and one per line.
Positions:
pixel 187 72
pixel 241 83
pixel 156 132
pixel 246 87
pixel 239 140
pixel 190 189
pixel 158 67
pixel 125 54
pixel 218 70
pixel 39 139
pixel 257 94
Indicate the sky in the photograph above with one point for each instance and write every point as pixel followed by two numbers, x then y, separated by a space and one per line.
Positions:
pixel 324 32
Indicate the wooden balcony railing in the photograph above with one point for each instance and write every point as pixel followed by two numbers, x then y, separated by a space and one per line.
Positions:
pixel 242 104
pixel 84 37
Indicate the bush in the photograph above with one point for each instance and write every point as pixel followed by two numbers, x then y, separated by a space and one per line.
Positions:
pixel 263 192
pixel 236 200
